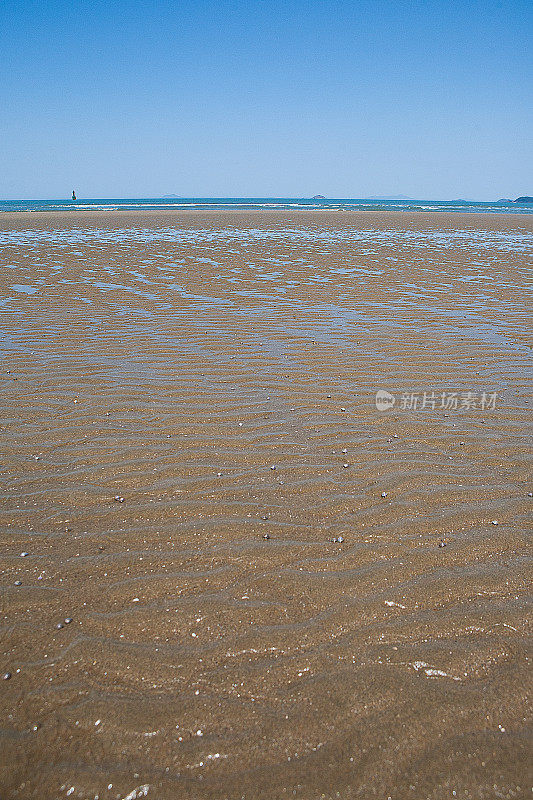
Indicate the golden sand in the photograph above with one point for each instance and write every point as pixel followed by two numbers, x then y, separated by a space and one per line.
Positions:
pixel 216 373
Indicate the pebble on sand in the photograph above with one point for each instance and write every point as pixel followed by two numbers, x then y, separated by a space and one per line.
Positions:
pixel 442 543
pixel 24 554
pixel 6 676
pixel 338 540
pixel 118 499
pixel 384 494
pixel 266 536
pixel 18 583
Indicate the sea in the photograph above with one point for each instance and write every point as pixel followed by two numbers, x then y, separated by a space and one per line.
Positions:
pixel 245 203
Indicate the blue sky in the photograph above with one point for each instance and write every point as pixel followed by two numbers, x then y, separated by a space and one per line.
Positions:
pixel 140 98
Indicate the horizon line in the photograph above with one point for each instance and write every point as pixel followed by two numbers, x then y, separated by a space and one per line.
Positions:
pixel 374 198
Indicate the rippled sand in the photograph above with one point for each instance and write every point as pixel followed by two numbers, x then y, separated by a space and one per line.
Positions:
pixel 217 372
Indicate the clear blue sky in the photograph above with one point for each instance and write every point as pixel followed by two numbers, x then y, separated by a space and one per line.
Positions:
pixel 346 98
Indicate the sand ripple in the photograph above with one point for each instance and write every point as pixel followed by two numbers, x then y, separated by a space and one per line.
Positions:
pixel 219 378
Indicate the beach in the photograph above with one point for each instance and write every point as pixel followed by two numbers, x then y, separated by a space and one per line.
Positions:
pixel 226 573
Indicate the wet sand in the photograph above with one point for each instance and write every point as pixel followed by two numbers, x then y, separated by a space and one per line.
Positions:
pixel 294 594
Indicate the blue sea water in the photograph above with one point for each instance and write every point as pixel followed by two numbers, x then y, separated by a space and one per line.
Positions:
pixel 218 203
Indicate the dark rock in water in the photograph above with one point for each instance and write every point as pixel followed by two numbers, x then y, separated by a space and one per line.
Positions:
pixel 524 199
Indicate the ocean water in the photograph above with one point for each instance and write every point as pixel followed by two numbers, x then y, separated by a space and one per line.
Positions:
pixel 217 203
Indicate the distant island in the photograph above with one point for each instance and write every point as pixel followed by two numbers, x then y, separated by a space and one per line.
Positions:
pixel 525 199
pixel 171 197
pixel 318 197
